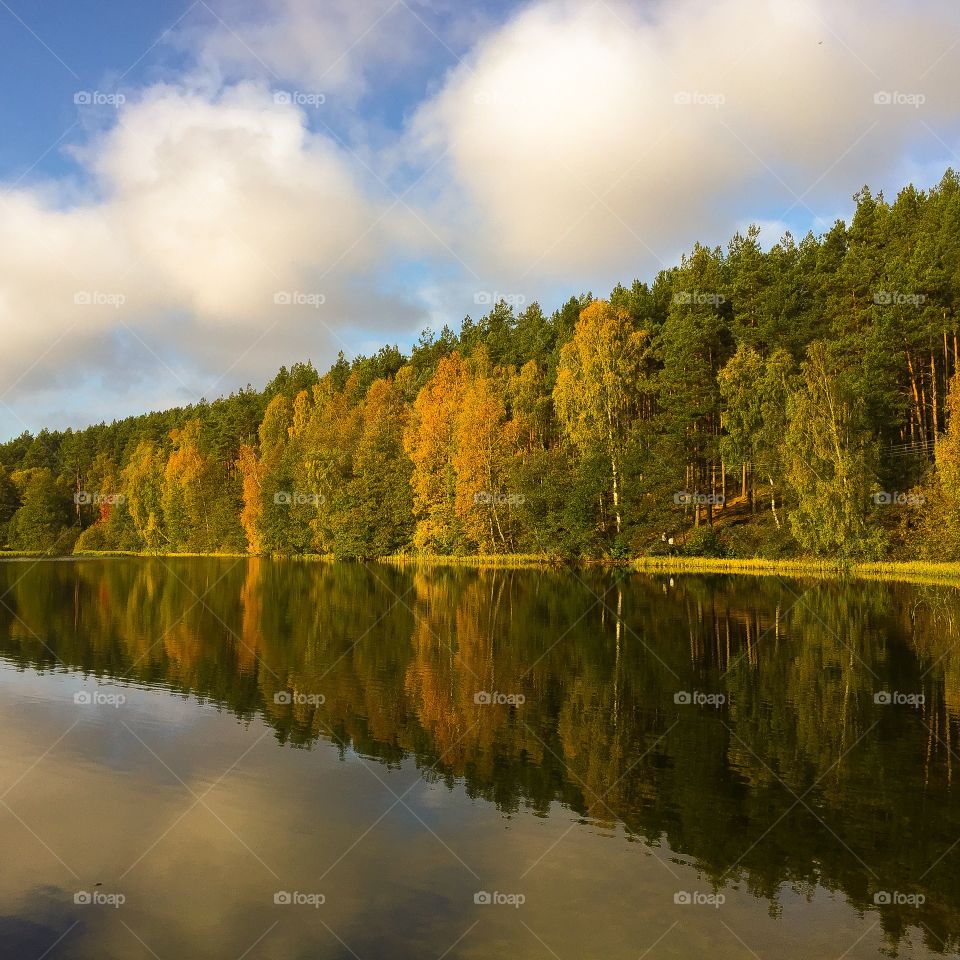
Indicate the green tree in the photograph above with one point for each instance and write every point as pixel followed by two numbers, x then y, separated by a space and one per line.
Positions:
pixel 755 393
pixel 829 459
pixel 9 502
pixel 43 520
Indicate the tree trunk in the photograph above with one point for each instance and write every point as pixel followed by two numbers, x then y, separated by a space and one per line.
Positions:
pixel 613 466
pixel 933 395
pixel 616 491
pixel 917 410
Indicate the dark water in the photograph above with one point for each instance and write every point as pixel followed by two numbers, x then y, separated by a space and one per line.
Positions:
pixel 260 731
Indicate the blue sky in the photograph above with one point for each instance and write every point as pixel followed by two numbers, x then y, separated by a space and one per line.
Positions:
pixel 194 193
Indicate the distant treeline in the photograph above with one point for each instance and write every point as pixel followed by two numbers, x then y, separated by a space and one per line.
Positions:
pixel 795 401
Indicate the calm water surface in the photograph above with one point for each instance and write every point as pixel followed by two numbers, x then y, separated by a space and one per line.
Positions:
pixel 263 759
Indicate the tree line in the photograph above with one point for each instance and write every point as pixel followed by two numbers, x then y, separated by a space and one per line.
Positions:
pixel 792 401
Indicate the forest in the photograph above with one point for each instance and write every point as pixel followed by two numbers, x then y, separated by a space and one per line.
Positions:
pixel 797 401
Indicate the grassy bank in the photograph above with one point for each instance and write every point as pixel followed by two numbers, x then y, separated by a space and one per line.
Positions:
pixel 750 567
pixel 514 561
pixel 904 571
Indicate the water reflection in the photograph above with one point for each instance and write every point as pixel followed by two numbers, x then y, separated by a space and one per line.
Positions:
pixel 780 735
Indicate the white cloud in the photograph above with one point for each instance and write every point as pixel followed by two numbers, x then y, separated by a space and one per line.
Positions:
pixel 220 234
pixel 584 137
pixel 334 47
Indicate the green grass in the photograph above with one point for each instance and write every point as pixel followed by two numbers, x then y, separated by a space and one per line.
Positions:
pixel 920 572
pixel 505 560
pixel 738 565
pixel 149 553
pixel 894 570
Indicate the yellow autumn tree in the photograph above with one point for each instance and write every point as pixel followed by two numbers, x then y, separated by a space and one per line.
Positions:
pixel 262 476
pixel 598 377
pixel 253 471
pixel 532 407
pixel 143 486
pixel 188 491
pixel 430 442
pixel 480 461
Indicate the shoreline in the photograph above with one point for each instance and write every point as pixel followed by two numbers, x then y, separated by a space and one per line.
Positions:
pixel 905 571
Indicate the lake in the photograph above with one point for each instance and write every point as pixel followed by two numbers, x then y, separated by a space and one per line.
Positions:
pixel 245 758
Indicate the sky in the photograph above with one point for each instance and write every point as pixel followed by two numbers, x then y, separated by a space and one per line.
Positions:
pixel 194 193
